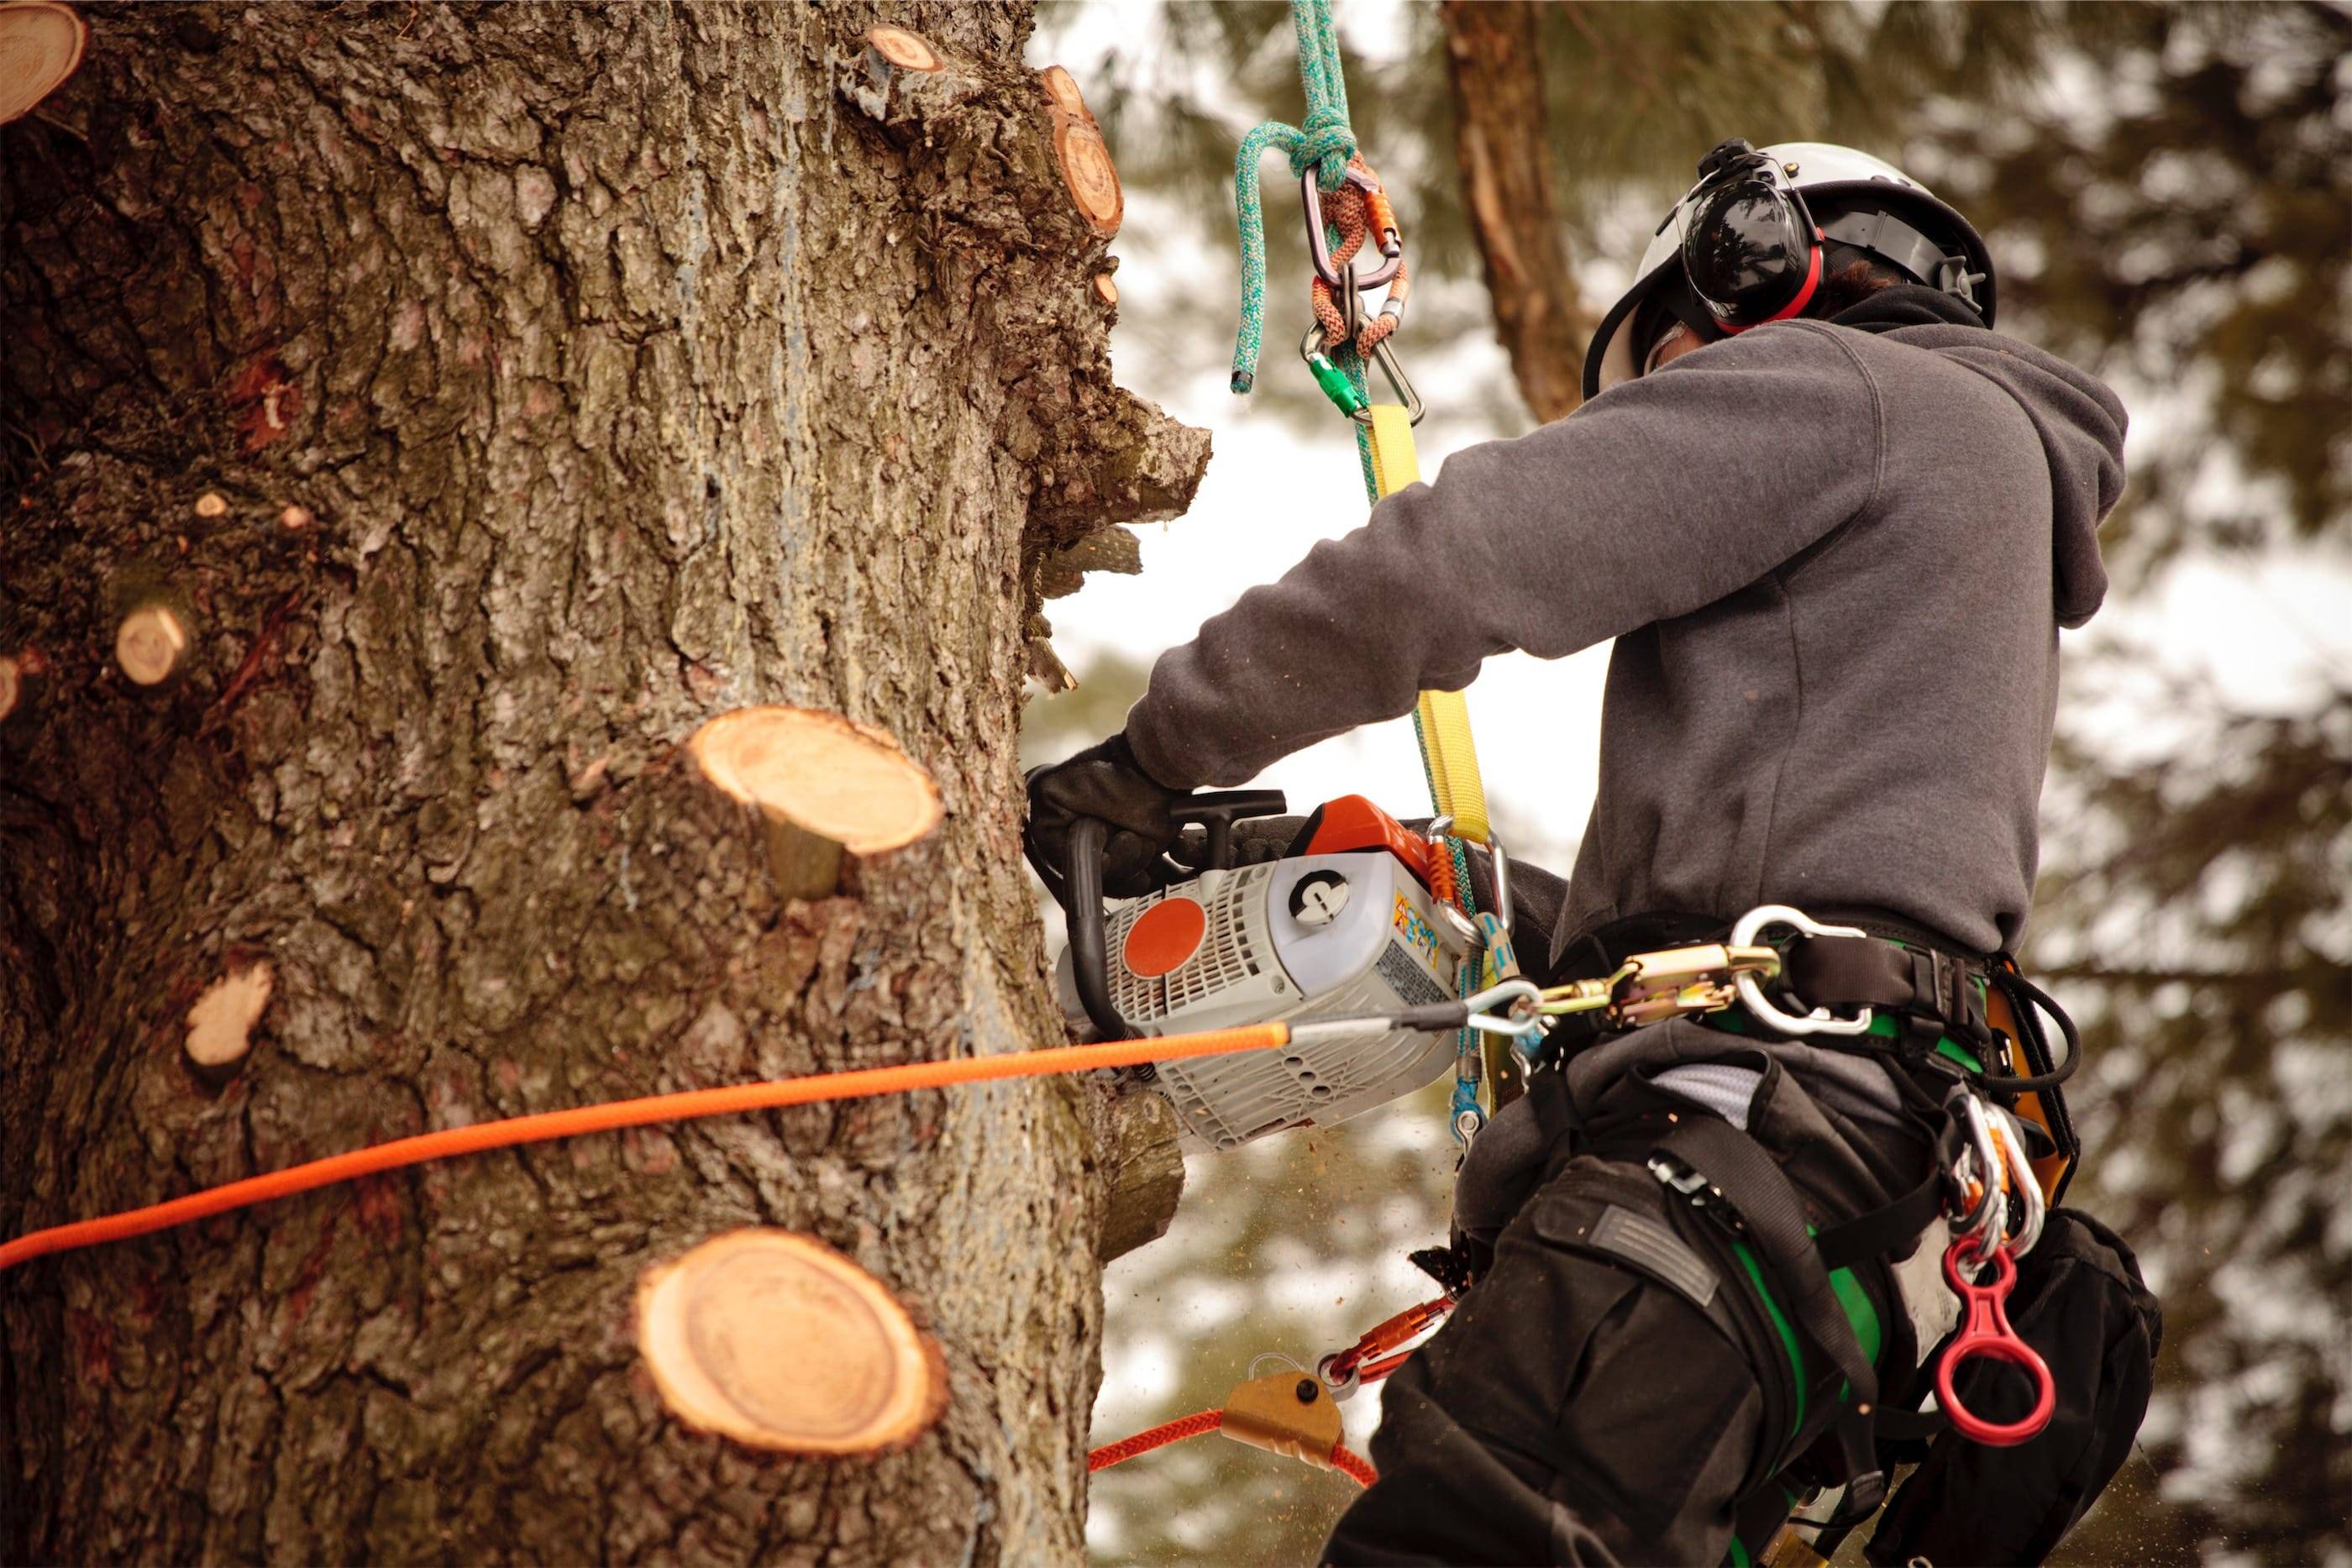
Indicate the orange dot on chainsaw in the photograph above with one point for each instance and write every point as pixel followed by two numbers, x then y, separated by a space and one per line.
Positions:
pixel 1163 937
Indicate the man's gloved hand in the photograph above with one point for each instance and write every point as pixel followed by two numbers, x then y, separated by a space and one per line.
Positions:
pixel 1103 781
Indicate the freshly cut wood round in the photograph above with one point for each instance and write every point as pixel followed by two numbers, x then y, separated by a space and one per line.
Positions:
pixel 778 1342
pixel 220 1026
pixel 41 44
pixel 149 642
pixel 907 50
pixel 844 781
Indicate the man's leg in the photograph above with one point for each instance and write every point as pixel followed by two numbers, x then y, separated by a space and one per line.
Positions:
pixel 1589 1401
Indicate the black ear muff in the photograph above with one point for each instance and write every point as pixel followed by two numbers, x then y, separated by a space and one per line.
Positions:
pixel 1750 249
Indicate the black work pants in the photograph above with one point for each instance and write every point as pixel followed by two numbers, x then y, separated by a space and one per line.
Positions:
pixel 1594 1399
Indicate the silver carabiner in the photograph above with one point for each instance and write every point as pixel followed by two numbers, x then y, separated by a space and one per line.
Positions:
pixel 2021 1181
pixel 1990 1218
pixel 1821 1021
pixel 1385 357
pixel 1502 880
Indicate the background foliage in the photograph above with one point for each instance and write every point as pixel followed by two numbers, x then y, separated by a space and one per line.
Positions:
pixel 2168 192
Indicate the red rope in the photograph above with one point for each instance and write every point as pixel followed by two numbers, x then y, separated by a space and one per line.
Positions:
pixel 1159 1436
pixel 1352 1465
pixel 1344 1459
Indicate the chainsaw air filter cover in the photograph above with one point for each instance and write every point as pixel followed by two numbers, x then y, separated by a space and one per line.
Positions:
pixel 1330 936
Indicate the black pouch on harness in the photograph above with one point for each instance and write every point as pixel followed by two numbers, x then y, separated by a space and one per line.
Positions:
pixel 2079 1301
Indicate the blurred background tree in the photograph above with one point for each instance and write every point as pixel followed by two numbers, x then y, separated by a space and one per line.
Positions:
pixel 2168 192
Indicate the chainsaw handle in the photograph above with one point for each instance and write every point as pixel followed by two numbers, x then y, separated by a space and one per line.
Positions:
pixel 1081 893
pixel 1082 905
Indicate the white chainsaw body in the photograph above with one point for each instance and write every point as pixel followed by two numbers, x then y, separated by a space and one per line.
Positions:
pixel 1315 936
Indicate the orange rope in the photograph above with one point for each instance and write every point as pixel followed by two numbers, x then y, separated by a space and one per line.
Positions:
pixel 731 1100
pixel 1344 1459
pixel 1350 211
pixel 1159 1436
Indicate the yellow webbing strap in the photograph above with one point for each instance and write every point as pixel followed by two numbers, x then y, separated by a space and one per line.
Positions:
pixel 1446 750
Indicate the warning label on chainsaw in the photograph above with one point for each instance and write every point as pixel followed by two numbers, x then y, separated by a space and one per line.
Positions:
pixel 1407 979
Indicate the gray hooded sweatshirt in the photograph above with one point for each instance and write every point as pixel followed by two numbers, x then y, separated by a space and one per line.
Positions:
pixel 1835 562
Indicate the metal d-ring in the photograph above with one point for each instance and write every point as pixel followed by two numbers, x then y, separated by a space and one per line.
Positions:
pixel 1821 1021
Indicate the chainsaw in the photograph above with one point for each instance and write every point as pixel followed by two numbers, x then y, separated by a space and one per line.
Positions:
pixel 1342 924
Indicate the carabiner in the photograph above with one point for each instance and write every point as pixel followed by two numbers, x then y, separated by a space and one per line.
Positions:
pixel 1353 403
pixel 2023 1184
pixel 1385 357
pixel 1984 1332
pixel 1987 1217
pixel 1392 243
pixel 1821 1021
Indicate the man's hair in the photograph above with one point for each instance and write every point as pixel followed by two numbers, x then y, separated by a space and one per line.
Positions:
pixel 1849 286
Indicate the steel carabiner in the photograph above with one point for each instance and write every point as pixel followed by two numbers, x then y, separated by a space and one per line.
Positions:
pixel 1319 248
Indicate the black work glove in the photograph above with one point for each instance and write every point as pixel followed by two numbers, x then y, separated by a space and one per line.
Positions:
pixel 1104 781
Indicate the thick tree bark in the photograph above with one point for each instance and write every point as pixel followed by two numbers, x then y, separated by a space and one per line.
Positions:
pixel 1494 67
pixel 571 375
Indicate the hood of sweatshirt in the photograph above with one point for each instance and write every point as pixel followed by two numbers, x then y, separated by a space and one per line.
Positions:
pixel 2080 421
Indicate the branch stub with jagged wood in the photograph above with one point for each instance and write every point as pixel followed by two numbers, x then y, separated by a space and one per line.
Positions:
pixel 220 1026
pixel 778 1342
pixel 907 50
pixel 824 784
pixel 149 642
pixel 41 46
pixel 1084 155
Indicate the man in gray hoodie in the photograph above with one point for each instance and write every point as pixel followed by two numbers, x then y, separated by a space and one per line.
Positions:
pixel 1834 526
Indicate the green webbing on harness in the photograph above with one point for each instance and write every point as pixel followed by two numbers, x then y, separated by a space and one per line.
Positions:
pixel 1732 1020
pixel 1859 1312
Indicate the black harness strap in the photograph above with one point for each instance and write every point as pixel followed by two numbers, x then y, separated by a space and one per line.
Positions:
pixel 1767 1209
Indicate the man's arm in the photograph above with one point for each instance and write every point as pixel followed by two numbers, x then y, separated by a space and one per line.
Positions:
pixel 1658 499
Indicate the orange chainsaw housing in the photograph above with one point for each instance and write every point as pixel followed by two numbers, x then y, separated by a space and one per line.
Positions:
pixel 1352 823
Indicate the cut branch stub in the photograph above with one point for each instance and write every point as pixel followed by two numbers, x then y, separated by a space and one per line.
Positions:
pixel 149 642
pixel 824 784
pixel 220 1026
pixel 41 45
pixel 902 48
pixel 1084 155
pixel 778 1342
pixel 12 686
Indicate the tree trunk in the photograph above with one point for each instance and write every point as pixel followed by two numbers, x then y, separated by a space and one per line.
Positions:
pixel 1495 66
pixel 570 376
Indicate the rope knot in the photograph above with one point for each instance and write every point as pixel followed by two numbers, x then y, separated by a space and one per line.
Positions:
pixel 1327 145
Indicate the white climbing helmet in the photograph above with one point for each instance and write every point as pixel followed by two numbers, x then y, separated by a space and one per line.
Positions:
pixel 1751 241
